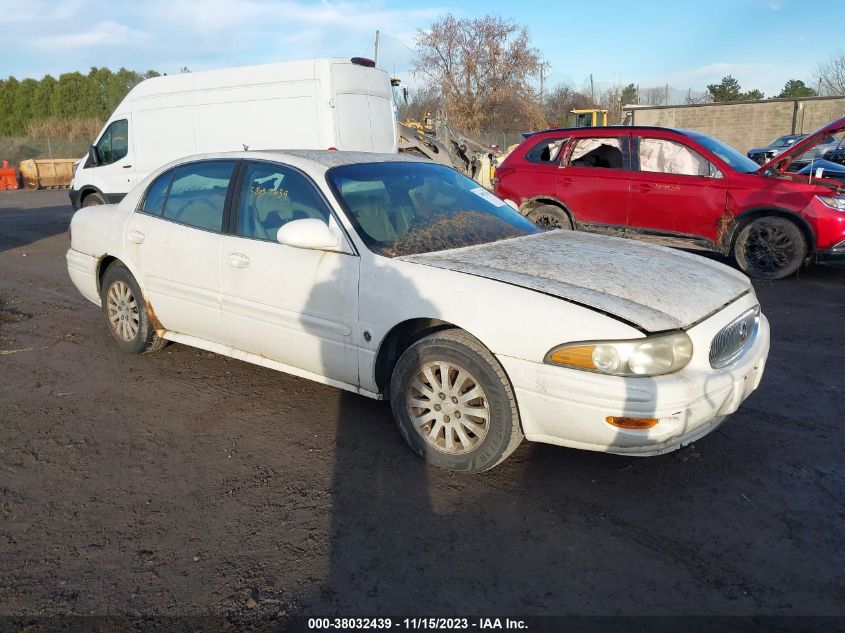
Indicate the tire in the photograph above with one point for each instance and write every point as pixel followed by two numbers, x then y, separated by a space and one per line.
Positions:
pixel 126 314
pixel 549 217
pixel 468 436
pixel 770 248
pixel 93 199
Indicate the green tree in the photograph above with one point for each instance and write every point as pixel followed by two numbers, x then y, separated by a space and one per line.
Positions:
pixel 22 110
pixel 726 90
pixel 42 100
pixel 8 96
pixel 796 88
pixel 752 95
pixel 629 94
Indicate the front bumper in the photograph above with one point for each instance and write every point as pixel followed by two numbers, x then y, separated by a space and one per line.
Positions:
pixel 569 407
pixel 836 253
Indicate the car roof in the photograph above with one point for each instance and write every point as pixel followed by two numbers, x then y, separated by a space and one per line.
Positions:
pixel 587 130
pixel 302 158
pixel 335 158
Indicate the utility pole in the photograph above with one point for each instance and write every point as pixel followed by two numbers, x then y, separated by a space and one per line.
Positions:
pixel 592 90
pixel 667 94
pixel 376 55
pixel 544 66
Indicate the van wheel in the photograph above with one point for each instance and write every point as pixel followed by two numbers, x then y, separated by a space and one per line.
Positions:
pixel 770 248
pixel 549 217
pixel 454 404
pixel 126 312
pixel 93 199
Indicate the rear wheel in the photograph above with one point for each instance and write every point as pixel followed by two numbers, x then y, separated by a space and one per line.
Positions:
pixel 126 312
pixel 770 248
pixel 454 404
pixel 549 217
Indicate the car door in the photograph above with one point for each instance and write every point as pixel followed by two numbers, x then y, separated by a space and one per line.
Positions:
pixel 593 181
pixel 676 190
pixel 114 172
pixel 174 240
pixel 293 305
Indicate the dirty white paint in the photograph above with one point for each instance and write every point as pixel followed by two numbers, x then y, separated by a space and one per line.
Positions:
pixel 324 315
pixel 654 287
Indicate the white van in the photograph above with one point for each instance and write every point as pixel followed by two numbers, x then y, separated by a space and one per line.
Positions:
pixel 315 104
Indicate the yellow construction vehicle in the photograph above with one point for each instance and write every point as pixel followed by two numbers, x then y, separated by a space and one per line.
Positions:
pixel 591 117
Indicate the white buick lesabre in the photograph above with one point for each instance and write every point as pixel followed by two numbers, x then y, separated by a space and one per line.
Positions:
pixel 399 278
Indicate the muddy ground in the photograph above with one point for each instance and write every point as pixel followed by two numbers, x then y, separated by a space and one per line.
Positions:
pixel 185 483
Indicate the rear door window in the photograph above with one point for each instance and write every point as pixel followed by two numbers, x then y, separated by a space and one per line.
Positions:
pixel 197 196
pixel 157 192
pixel 606 152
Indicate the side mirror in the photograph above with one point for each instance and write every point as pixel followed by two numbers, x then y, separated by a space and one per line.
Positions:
pixel 308 233
pixel 93 160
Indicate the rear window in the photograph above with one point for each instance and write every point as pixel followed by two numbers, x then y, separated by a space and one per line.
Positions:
pixel 197 196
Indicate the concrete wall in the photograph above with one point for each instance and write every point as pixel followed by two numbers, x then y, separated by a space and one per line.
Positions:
pixel 745 124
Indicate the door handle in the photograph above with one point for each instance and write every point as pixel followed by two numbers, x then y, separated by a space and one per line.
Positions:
pixel 238 260
pixel 136 237
pixel 641 187
pixel 564 181
pixel 127 166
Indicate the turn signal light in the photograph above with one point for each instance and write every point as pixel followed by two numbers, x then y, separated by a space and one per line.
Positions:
pixel 578 356
pixel 631 423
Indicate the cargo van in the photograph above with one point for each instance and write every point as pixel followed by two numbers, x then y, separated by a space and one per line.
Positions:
pixel 315 104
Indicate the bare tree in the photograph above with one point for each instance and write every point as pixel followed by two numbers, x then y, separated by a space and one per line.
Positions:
pixel 482 67
pixel 560 100
pixel 420 102
pixel 656 95
pixel 611 100
pixel 831 74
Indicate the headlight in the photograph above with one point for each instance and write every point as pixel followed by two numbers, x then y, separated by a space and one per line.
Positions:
pixel 650 356
pixel 833 203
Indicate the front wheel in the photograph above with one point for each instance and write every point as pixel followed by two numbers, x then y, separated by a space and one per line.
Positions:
pixel 126 313
pixel 770 248
pixel 454 404
pixel 93 199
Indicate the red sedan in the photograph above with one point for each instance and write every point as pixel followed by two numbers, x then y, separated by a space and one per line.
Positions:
pixel 682 189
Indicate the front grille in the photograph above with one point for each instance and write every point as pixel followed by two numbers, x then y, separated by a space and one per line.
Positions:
pixel 733 339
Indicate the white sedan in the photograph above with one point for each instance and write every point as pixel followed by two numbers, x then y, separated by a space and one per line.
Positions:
pixel 398 278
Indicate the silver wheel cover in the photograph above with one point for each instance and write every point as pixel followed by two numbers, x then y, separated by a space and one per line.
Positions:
pixel 122 309
pixel 448 408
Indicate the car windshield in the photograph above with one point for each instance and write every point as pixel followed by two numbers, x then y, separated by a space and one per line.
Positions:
pixel 783 141
pixel 737 161
pixel 410 208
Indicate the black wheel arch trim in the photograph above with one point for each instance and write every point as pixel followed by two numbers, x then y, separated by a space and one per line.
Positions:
pixel 529 204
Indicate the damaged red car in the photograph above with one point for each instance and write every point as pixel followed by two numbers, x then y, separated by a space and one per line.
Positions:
pixel 683 189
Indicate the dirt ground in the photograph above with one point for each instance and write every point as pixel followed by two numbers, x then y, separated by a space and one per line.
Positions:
pixel 184 483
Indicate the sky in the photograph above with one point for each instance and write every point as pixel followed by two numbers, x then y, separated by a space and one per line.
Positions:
pixel 683 43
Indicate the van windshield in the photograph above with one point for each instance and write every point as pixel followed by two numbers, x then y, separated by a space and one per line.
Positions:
pixel 409 208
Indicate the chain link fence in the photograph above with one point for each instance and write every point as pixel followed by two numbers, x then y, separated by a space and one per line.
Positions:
pixel 17 149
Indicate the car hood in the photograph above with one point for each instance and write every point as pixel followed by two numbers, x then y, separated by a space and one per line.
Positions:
pixel 650 287
pixel 781 161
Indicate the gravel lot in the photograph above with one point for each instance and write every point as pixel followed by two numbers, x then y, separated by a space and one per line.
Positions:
pixel 185 483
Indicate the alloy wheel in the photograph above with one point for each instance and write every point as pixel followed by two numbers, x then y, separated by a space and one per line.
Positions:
pixel 448 408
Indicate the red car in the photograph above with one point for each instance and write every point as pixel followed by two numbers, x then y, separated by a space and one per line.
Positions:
pixel 682 189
